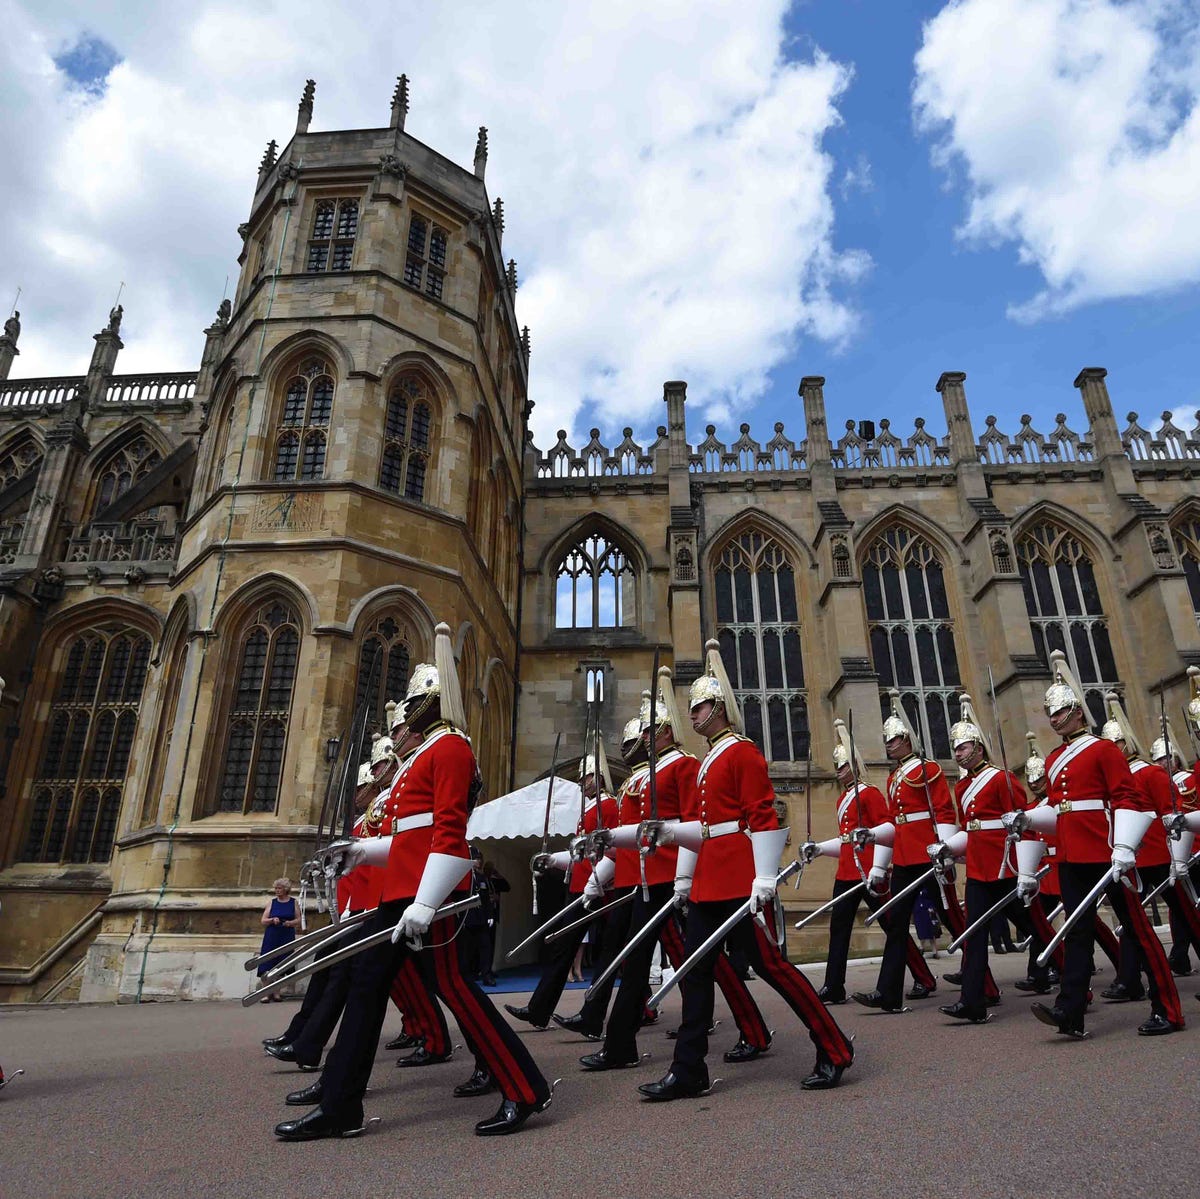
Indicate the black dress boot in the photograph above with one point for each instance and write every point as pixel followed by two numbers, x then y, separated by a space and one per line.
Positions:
pixel 825 1075
pixel 287 1053
pixel 404 1041
pixel 964 1011
pixel 317 1126
pixel 509 1117
pixel 522 1013
pixel 601 1061
pixel 743 1051
pixel 671 1087
pixel 480 1083
pixel 575 1024
pixel 422 1057
pixel 306 1097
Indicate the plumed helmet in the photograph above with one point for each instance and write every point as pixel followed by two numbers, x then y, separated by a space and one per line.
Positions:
pixel 714 684
pixel 364 774
pixel 435 682
pixel 1158 749
pixel 632 731
pixel 587 766
pixel 381 749
pixel 1167 747
pixel 1035 764
pixel 967 727
pixel 896 725
pixel 841 749
pixel 1064 692
pixel 1111 730
pixel 1118 716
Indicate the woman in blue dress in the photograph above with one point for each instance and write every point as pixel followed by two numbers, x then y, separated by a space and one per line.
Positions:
pixel 281 919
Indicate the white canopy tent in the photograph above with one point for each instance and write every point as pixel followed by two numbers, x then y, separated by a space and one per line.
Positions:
pixel 508 832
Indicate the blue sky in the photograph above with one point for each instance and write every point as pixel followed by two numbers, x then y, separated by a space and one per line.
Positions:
pixel 871 190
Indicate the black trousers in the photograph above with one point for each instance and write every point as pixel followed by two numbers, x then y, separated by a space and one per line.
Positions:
pixel 496 1045
pixel 558 969
pixel 614 936
pixel 620 1039
pixel 1076 879
pixel 691 1046
pixel 895 948
pixel 982 894
pixel 1183 929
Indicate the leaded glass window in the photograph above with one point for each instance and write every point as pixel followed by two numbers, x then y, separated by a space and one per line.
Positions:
pixel 304 418
pixel 912 634
pixel 334 228
pixel 129 464
pixel 388 636
pixel 425 261
pixel 1063 601
pixel 1187 545
pixel 407 436
pixel 18 462
pixel 758 626
pixel 594 586
pixel 252 764
pixel 85 754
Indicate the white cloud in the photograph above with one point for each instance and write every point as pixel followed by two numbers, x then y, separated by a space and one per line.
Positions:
pixel 1076 125
pixel 666 192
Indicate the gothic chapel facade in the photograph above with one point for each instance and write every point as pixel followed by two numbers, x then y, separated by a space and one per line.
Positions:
pixel 197 570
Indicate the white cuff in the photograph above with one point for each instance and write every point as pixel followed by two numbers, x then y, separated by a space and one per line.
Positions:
pixel 1129 827
pixel 688 834
pixel 768 846
pixel 946 831
pixel 685 863
pixel 883 857
pixel 830 849
pixel 885 834
pixel 1029 856
pixel 375 850
pixel 1042 819
pixel 1181 850
pixel 956 843
pixel 604 871
pixel 625 836
pixel 560 860
pixel 441 875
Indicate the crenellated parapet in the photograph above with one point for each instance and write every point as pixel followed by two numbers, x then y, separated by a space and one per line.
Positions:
pixel 1169 443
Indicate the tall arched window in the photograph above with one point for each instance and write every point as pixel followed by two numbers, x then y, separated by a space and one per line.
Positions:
pixel 1187 546
pixel 331 242
pixel 303 422
pixel 912 635
pixel 89 735
pixel 387 638
pixel 759 631
pixel 594 586
pixel 22 457
pixel 132 462
pixel 407 434
pixel 1063 602
pixel 252 763
pixel 166 731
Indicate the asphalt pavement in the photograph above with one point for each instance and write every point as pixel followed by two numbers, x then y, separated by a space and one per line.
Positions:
pixel 178 1099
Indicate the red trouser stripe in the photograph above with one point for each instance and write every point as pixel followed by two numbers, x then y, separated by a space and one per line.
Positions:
pixel 747 1017
pixel 795 988
pixel 918 967
pixel 1045 931
pixel 463 1002
pixel 422 1016
pixel 956 918
pixel 1138 923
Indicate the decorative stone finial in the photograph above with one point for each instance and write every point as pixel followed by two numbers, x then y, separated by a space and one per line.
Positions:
pixel 510 276
pixel 400 102
pixel 305 111
pixel 481 152
pixel 498 217
pixel 268 158
pixel 525 341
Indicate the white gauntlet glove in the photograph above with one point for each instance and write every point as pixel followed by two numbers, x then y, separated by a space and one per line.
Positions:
pixel 767 845
pixel 685 866
pixel 1129 827
pixel 762 894
pixel 1027 886
pixel 443 872
pixel 414 924
pixel 877 880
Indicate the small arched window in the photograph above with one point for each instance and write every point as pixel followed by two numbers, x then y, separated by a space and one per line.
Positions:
pixel 759 631
pixel 912 634
pixel 303 422
pixel 251 765
pixel 407 438
pixel 123 469
pixel 1062 598
pixel 425 263
pixel 1187 546
pixel 595 586
pixel 85 754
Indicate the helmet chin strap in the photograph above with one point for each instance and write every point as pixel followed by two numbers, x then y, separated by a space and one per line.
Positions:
pixel 711 713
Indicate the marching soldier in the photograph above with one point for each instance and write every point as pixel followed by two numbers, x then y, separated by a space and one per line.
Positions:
pixel 923 811
pixel 1185 919
pixel 601 810
pixel 983 795
pixel 859 806
pixel 425 862
pixel 729 847
pixel 1091 791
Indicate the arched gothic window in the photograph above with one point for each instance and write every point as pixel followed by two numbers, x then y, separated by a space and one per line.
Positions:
pixel 425 263
pixel 252 763
pixel 386 635
pixel 1063 602
pixel 129 464
pixel 759 631
pixel 18 461
pixel 331 244
pixel 595 586
pixel 307 407
pixel 912 635
pixel 1187 546
pixel 407 433
pixel 85 755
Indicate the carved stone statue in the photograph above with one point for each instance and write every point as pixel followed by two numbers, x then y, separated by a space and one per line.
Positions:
pixel 114 319
pixel 12 327
pixel 224 310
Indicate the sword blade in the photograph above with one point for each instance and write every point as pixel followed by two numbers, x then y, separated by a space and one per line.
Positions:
pixel 541 931
pixel 832 903
pixel 1086 906
pixel 620 901
pixel 983 920
pixel 895 899
pixel 715 938
pixel 312 939
pixel 349 951
pixel 645 931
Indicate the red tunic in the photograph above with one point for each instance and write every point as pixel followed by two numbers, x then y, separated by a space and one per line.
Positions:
pixel 1086 768
pixel 1158 792
pixel 984 796
pixel 874 811
pixel 436 780
pixel 674 779
pixel 732 784
pixel 629 811
pixel 360 888
pixel 579 872
pixel 1186 783
pixel 909 808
